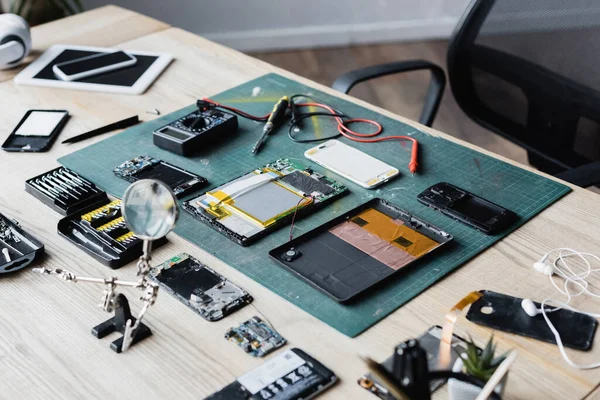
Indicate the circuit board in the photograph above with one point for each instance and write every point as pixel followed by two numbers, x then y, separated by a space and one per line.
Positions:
pixel 255 337
pixel 179 180
pixel 199 287
pixel 249 207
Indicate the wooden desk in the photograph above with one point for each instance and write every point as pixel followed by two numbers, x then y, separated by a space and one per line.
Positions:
pixel 46 349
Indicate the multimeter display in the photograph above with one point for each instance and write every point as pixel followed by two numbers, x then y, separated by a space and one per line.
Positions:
pixel 167 131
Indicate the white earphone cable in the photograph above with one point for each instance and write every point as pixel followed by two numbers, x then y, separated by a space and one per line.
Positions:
pixel 571 278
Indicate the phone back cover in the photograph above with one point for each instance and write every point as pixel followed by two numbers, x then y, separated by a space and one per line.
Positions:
pixel 576 330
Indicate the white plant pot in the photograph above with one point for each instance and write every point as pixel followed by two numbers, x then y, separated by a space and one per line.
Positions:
pixel 458 390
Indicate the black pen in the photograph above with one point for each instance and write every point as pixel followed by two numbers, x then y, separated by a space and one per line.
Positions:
pixel 125 123
pixel 275 118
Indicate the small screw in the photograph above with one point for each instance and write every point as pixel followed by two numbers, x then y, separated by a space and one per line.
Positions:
pixel 6 254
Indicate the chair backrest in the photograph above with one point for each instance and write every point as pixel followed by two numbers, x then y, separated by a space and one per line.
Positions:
pixel 529 70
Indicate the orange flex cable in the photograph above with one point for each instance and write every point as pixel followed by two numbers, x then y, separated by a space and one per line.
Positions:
pixel 444 355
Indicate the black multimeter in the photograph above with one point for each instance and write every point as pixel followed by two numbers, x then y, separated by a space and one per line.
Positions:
pixel 188 134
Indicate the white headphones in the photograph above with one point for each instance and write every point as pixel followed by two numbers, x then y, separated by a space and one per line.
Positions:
pixel 15 40
pixel 566 271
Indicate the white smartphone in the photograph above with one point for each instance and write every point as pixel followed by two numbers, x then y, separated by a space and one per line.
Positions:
pixel 352 164
pixel 92 65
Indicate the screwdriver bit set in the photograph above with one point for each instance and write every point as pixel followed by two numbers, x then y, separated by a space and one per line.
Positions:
pixel 92 221
pixel 64 191
pixel 100 230
pixel 17 247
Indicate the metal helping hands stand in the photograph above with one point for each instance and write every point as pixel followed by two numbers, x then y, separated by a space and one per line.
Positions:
pixel 150 211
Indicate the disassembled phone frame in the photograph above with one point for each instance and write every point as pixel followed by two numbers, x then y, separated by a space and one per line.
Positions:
pixel 180 181
pixel 199 287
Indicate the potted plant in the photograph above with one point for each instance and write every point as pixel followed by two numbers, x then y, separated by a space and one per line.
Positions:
pixel 479 364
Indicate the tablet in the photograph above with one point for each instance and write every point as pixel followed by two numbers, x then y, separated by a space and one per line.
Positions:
pixel 267 198
pixel 131 80
pixel 355 251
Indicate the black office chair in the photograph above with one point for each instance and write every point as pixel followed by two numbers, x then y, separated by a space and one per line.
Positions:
pixel 528 70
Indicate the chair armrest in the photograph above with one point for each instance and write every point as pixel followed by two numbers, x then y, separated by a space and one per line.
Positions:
pixel 585 175
pixel 434 93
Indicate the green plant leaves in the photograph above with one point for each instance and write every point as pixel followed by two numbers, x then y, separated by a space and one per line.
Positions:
pixel 481 364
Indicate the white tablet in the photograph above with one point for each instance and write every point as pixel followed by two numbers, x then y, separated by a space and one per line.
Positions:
pixel 131 80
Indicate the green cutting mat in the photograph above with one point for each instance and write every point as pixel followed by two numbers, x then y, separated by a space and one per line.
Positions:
pixel 519 190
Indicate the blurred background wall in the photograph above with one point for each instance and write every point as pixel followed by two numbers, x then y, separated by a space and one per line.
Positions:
pixel 255 25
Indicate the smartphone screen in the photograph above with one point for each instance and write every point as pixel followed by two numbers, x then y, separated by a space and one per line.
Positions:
pixel 93 62
pixel 40 123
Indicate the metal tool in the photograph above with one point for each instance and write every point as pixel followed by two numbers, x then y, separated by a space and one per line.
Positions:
pixel 122 124
pixel 274 120
pixel 61 186
pixel 46 192
pixel 75 178
pixel 6 254
pixel 51 189
pixel 150 211
pixel 69 183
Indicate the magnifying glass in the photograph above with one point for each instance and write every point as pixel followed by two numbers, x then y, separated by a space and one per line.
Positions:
pixel 150 211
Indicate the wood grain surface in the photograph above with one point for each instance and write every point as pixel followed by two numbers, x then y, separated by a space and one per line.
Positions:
pixel 47 351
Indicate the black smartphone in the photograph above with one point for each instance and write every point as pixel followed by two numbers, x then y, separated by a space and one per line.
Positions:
pixel 93 65
pixel 467 208
pixel 36 131
pixel 505 313
pixel 291 375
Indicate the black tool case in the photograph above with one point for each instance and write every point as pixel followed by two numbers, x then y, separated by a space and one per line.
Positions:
pixel 72 196
pixel 81 193
pixel 103 246
pixel 18 248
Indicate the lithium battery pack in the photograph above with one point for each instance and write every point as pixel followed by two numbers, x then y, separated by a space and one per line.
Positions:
pixel 292 375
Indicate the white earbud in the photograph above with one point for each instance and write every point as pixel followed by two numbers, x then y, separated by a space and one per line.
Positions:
pixel 543 267
pixel 15 40
pixel 530 308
